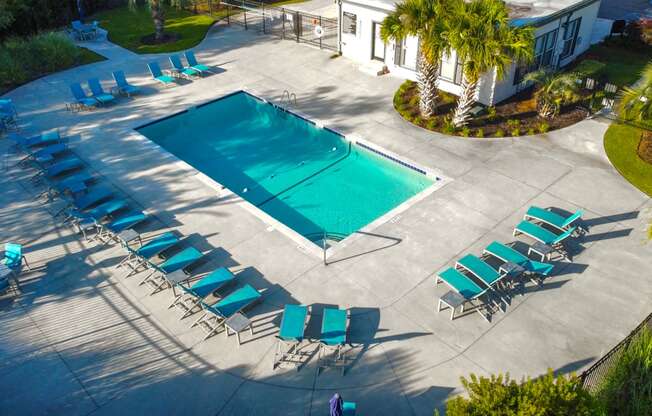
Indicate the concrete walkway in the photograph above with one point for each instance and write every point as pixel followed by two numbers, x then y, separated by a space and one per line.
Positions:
pixel 83 340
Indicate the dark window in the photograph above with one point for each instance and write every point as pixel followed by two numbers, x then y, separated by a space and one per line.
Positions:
pixel 571 31
pixel 544 51
pixel 451 70
pixel 349 23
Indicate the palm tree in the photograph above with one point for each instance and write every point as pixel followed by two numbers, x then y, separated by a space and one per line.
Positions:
pixel 636 101
pixel 158 16
pixel 484 40
pixel 427 20
pixel 555 89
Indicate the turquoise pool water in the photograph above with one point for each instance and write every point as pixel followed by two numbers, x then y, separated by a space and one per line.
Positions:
pixel 309 178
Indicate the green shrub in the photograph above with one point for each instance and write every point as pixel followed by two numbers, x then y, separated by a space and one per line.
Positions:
pixel 513 124
pixel 491 113
pixel 531 132
pixel 590 68
pixel 498 396
pixel 627 386
pixel 432 124
pixel 544 127
pixel 515 132
pixel 465 132
pixel 447 126
pixel 479 133
pixel 24 59
pixel 499 133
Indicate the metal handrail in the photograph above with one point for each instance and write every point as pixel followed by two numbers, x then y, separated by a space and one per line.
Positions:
pixel 325 236
pixel 290 96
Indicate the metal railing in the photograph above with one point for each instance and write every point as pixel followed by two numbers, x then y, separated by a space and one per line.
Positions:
pixel 285 23
pixel 594 375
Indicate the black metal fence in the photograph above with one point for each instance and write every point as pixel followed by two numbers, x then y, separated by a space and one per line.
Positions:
pixel 285 23
pixel 593 377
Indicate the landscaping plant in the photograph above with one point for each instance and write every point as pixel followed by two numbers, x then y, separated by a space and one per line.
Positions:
pixel 158 16
pixel 627 386
pixel 484 40
pixel 636 101
pixel 499 395
pixel 428 20
pixel 554 89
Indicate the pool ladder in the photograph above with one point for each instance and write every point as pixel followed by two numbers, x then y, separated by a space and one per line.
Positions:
pixel 290 97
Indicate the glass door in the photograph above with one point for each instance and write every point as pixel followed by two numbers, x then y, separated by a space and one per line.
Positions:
pixel 377 44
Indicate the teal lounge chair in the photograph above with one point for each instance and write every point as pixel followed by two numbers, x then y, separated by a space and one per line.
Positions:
pixel 290 336
pixel 98 92
pixel 551 218
pixel 332 339
pixel 466 287
pixel 82 101
pixel 73 184
pixel 192 63
pixel 61 167
pixel 108 208
pixel 123 86
pixel 13 258
pixel 155 70
pixel 544 236
pixel 181 261
pixel 484 272
pixel 193 295
pixel 348 408
pixel 95 196
pixel 183 71
pixel 215 315
pixel 143 255
pixel 44 155
pixel 509 255
pixel 26 143
pixel 109 232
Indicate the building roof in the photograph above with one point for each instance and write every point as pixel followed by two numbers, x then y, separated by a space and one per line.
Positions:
pixel 522 12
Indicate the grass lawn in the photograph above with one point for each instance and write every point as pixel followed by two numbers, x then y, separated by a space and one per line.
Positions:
pixel 87 56
pixel 621 143
pixel 126 28
pixel 624 65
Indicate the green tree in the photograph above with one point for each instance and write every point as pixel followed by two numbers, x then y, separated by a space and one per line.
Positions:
pixel 157 10
pixel 636 101
pixel 428 20
pixel 499 396
pixel 484 40
pixel 555 88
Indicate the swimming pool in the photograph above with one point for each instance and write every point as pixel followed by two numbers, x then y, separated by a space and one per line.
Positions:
pixel 309 178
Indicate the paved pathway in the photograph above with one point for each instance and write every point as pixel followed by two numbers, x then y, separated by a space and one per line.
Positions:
pixel 84 340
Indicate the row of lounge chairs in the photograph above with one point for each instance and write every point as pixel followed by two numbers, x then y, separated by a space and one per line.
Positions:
pixel 178 70
pixel 473 279
pixel 98 96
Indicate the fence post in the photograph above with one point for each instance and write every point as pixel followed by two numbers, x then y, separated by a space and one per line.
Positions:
pixel 324 248
pixel 245 18
pixel 263 6
pixel 322 32
pixel 210 7
pixel 228 14
pixel 283 23
pixel 297 24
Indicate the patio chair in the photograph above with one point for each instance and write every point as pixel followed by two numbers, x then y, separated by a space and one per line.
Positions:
pixel 44 155
pixel 13 258
pixel 82 101
pixel 553 219
pixel 85 201
pixel 291 336
pixel 155 70
pixel 135 259
pixel 332 339
pixel 193 64
pixel 109 232
pixel 181 70
pixel 59 168
pixel 348 408
pixel 98 92
pixel 181 261
pixel 193 295
pixel 544 236
pixel 215 315
pixel 26 144
pixel 483 272
pixel 465 287
pixel 509 255
pixel 123 86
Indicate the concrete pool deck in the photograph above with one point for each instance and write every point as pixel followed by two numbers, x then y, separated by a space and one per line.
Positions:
pixel 81 339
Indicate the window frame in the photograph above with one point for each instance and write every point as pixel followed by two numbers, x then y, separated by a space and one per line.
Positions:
pixel 542 59
pixel 570 37
pixel 354 25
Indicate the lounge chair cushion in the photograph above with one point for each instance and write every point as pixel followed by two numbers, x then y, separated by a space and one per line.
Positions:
pixel 333 327
pixel 211 282
pixel 236 301
pixel 479 268
pixel 157 245
pixel 293 322
pixel 461 283
pixel 180 260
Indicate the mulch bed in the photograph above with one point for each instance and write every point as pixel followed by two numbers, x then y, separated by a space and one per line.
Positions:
pixel 168 37
pixel 516 116
pixel 644 149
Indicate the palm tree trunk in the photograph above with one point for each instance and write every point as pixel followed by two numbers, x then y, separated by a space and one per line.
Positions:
pixel 465 102
pixel 158 15
pixel 427 76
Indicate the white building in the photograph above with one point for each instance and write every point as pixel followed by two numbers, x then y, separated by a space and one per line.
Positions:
pixel 563 31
